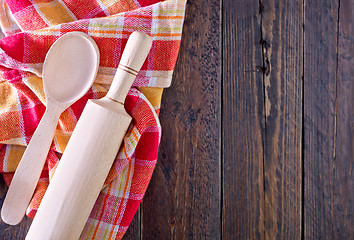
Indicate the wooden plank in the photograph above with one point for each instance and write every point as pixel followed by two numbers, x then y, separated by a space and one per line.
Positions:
pixel 8 232
pixel 183 198
pixel 320 55
pixel 243 122
pixel 329 198
pixel 343 202
pixel 282 37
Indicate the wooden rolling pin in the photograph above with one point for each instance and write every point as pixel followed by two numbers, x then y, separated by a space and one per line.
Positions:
pixel 89 154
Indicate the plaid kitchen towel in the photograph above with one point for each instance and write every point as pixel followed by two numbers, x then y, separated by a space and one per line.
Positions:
pixel 31 27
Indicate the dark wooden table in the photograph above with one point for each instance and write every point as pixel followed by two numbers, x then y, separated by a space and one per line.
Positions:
pixel 257 126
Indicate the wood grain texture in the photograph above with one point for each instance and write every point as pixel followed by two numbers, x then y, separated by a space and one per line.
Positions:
pixel 183 198
pixel 343 201
pixel 238 125
pixel 8 232
pixel 320 54
pixel 282 38
pixel 243 122
pixel 18 232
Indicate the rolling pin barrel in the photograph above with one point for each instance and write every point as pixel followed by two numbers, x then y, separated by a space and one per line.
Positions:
pixel 89 155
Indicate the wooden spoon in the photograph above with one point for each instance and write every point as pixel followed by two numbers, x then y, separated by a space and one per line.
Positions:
pixel 69 70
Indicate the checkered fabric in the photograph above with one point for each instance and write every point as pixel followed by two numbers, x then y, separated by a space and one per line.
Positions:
pixel 31 27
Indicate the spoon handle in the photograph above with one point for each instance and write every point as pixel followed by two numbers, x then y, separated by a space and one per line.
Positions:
pixel 29 169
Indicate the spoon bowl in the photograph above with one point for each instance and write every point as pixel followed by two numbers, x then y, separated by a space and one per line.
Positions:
pixel 70 67
pixel 69 70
